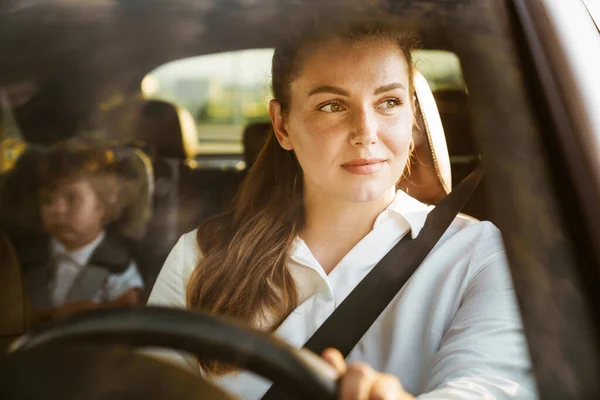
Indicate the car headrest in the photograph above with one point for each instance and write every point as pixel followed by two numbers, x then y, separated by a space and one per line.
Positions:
pixel 170 130
pixel 136 166
pixel 430 177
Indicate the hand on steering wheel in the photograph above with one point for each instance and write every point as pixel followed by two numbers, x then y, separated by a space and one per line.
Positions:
pixel 361 382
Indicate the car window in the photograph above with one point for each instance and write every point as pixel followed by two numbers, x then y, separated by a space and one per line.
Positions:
pixel 223 98
pixel 176 101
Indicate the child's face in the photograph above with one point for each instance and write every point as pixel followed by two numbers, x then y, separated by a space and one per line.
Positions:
pixel 72 213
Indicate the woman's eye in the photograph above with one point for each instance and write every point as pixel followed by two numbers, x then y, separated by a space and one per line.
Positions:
pixel 331 108
pixel 389 103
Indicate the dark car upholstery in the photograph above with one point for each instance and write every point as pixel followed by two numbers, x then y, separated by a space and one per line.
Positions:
pixel 14 314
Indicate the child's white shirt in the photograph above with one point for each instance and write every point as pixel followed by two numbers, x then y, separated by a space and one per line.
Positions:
pixel 69 265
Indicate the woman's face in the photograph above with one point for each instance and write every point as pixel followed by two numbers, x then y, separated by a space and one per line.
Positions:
pixel 350 119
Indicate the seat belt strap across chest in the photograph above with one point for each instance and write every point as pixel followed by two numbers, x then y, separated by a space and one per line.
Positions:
pixel 355 315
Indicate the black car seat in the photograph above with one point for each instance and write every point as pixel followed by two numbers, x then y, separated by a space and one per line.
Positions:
pixel 462 146
pixel 253 139
pixel 18 203
pixel 14 309
pixel 135 221
pixel 19 218
pixel 170 130
pixel 454 112
pixel 168 133
pixel 171 133
pixel 19 209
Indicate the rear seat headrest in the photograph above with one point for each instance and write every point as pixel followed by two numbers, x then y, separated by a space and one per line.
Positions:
pixel 136 166
pixel 169 129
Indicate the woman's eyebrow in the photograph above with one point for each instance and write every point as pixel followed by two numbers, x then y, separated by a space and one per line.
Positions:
pixel 390 87
pixel 329 89
pixel 342 92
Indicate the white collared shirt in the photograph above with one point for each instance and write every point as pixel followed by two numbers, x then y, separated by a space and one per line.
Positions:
pixel 452 332
pixel 69 265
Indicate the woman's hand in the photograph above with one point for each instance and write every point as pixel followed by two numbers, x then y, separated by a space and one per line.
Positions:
pixel 361 382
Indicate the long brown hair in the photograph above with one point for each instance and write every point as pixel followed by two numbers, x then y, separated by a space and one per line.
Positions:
pixel 243 269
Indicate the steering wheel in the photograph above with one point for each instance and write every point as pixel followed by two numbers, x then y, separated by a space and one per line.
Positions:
pixel 299 371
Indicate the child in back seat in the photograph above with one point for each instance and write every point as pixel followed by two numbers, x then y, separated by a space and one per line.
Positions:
pixel 83 266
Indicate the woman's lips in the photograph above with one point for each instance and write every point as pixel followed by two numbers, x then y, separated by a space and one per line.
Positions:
pixel 364 166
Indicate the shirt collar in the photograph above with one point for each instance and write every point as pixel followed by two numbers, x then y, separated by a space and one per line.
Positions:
pixel 403 206
pixel 409 208
pixel 80 256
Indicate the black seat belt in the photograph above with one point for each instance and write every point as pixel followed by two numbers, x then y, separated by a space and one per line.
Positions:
pixel 354 316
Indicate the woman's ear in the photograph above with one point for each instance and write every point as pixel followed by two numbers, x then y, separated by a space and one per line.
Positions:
pixel 279 125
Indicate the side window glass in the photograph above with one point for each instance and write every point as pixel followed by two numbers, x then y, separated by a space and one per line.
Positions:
pixel 221 97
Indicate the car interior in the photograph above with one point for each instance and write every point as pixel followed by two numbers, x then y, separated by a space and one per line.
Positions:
pixel 82 74
pixel 430 181
pixel 180 188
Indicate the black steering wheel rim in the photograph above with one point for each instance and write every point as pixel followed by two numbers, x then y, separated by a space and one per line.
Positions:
pixel 195 333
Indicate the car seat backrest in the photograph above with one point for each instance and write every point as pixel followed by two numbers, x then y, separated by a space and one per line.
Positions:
pixel 253 139
pixel 453 108
pixel 137 168
pixel 14 313
pixel 429 179
pixel 462 147
pixel 18 192
pixel 169 129
pixel 168 134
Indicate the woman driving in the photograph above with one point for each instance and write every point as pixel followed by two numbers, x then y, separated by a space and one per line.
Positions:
pixel 320 208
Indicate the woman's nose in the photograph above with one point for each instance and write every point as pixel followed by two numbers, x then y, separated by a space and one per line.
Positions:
pixel 364 128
